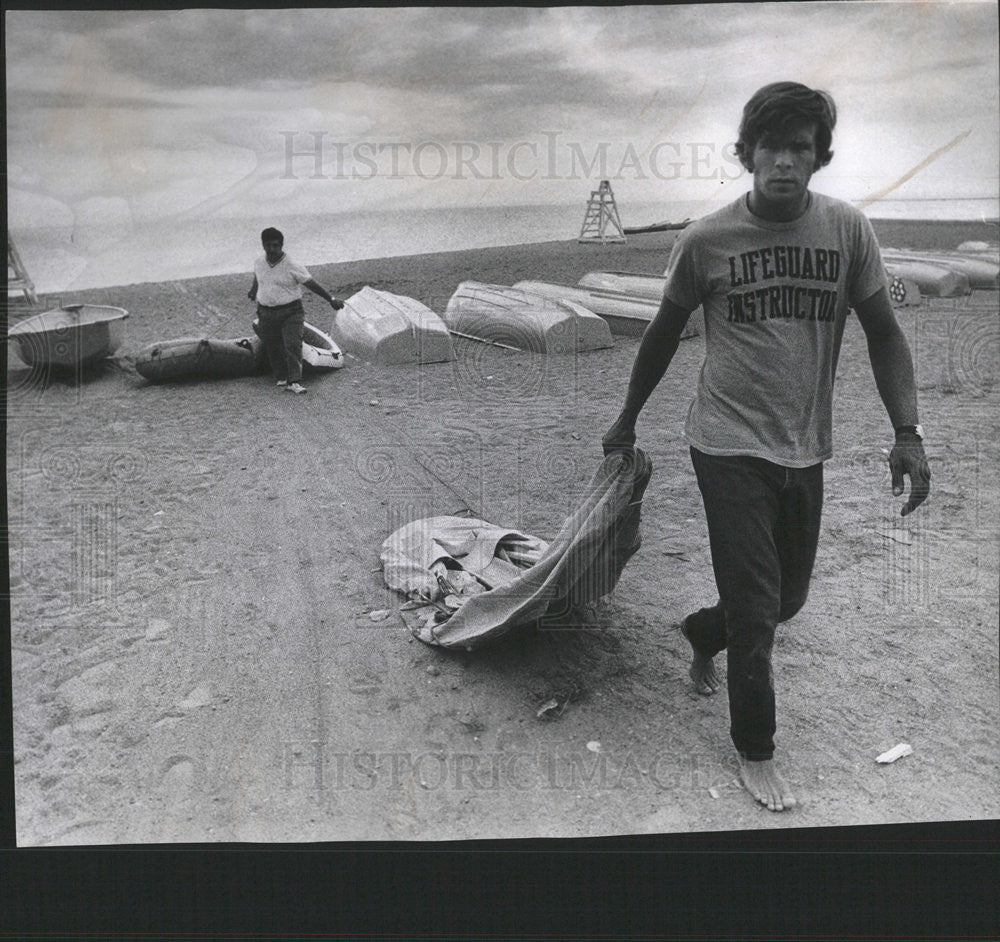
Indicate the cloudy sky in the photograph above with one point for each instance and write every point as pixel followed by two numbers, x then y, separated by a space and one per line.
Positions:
pixel 158 114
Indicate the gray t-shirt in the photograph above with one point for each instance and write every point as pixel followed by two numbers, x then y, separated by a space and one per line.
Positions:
pixel 776 296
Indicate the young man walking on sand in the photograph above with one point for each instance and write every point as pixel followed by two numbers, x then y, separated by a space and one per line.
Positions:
pixel 277 289
pixel 775 272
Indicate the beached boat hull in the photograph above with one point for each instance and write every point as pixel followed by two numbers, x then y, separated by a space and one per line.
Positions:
pixel 651 287
pixel 319 350
pixel 387 328
pixel 982 271
pixel 200 358
pixel 630 284
pixel 70 337
pixel 656 227
pixel 987 249
pixel 934 280
pixel 516 317
pixel 625 315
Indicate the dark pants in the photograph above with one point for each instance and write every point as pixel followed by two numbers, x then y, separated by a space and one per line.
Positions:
pixel 281 330
pixel 763 526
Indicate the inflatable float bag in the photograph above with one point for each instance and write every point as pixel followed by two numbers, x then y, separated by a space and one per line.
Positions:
pixel 416 555
pixel 582 564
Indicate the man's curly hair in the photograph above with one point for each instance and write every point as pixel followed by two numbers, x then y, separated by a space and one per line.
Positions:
pixel 780 107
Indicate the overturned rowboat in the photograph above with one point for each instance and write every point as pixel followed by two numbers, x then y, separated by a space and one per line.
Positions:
pixel 902 292
pixel 934 279
pixel 631 284
pixel 982 271
pixel 626 315
pixel 74 336
pixel 388 328
pixel 657 227
pixel 986 249
pixel 524 319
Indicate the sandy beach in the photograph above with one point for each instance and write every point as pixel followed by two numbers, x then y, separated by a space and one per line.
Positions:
pixel 193 567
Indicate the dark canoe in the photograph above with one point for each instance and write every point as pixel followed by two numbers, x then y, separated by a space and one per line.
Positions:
pixel 200 358
pixel 657 227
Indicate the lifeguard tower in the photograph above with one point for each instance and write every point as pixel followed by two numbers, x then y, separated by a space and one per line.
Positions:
pixel 601 223
pixel 17 275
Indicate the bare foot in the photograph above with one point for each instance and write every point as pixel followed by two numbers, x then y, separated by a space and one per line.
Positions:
pixel 702 672
pixel 762 780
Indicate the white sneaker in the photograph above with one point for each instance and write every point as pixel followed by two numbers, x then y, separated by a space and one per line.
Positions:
pixel 295 388
pixel 281 382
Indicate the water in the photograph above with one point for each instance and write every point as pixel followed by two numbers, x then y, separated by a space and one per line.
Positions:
pixel 62 258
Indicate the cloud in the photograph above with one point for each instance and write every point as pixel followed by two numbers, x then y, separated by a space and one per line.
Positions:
pixel 70 99
pixel 201 98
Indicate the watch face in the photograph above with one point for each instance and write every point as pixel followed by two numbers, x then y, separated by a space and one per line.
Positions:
pixel 920 432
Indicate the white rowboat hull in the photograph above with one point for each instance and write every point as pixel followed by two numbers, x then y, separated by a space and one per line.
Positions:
pixel 70 337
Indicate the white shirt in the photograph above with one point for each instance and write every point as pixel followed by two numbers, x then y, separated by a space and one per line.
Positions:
pixel 281 283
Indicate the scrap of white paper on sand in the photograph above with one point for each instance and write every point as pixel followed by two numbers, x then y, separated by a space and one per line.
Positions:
pixel 896 752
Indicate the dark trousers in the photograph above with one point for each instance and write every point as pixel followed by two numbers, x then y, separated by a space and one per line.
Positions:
pixel 763 527
pixel 281 328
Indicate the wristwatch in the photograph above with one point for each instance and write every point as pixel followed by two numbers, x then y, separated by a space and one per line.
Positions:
pixel 917 430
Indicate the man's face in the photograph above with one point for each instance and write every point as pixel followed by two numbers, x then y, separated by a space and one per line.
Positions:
pixel 272 249
pixel 783 164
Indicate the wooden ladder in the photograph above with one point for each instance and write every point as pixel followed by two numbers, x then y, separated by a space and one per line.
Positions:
pixel 17 275
pixel 601 211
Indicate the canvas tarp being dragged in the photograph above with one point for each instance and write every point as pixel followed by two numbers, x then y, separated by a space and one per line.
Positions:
pixel 581 565
pixel 417 558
